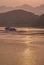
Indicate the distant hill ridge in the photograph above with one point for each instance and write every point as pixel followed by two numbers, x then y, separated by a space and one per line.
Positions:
pixel 21 18
pixel 17 18
pixel 40 21
pixel 36 10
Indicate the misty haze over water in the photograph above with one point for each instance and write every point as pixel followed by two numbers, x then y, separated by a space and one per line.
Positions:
pixel 22 48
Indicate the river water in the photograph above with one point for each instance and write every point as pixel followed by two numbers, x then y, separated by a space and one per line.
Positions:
pixel 21 49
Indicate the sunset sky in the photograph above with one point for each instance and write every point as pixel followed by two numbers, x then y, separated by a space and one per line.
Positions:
pixel 14 3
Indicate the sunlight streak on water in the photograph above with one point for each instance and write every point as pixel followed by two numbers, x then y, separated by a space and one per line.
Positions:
pixel 28 57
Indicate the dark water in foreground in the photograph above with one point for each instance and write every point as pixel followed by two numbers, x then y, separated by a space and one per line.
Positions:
pixel 20 49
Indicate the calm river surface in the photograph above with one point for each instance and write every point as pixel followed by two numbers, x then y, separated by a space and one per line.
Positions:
pixel 21 49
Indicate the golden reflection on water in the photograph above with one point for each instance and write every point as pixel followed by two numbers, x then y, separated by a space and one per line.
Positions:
pixel 27 39
pixel 28 57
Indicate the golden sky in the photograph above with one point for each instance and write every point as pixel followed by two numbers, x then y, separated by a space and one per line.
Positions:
pixel 20 2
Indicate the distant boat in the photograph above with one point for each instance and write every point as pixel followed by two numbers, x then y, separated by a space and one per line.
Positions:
pixel 10 29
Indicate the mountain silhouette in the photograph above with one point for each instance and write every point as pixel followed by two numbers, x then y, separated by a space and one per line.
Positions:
pixel 39 10
pixel 40 21
pixel 17 18
pixel 36 10
pixel 25 7
pixel 21 18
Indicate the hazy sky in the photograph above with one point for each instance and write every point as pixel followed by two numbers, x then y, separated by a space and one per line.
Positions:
pixel 20 2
